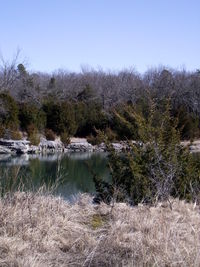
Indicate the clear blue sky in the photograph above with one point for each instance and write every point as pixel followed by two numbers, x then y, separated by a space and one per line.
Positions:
pixel 113 34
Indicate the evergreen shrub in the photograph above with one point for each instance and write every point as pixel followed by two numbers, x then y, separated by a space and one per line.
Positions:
pixel 153 169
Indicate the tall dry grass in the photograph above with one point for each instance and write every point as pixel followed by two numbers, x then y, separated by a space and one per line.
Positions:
pixel 42 230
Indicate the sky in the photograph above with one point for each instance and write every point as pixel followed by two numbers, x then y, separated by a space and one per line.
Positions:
pixel 107 34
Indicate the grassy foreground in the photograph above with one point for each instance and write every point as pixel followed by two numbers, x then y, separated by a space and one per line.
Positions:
pixel 42 230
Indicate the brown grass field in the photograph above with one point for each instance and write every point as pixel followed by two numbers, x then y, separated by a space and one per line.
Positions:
pixel 41 230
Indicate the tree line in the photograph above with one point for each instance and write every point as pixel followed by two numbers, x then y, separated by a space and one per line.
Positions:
pixel 76 104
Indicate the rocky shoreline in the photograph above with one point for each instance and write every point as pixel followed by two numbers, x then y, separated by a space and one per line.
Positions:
pixel 75 145
pixel 46 146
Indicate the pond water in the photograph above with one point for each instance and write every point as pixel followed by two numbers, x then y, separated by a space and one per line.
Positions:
pixel 71 172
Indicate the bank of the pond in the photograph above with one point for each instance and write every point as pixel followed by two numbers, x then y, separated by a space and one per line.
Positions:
pixel 47 146
pixel 40 230
pixel 75 145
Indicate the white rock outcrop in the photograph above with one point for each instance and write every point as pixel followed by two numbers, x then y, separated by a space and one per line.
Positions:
pixel 76 145
pixel 5 150
pixel 194 146
pixel 79 145
pixel 14 146
pixel 51 146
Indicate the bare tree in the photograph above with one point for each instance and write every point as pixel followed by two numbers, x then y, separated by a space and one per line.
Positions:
pixel 8 72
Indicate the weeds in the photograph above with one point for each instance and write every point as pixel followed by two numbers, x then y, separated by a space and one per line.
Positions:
pixel 40 230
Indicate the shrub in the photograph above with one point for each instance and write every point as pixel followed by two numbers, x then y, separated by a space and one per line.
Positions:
pixel 94 140
pixel 60 117
pixel 34 139
pixel 111 135
pixel 187 122
pixel 2 131
pixel 154 168
pixel 12 134
pixel 89 117
pixel 8 111
pixel 124 123
pixel 50 135
pixel 31 129
pixel 16 135
pixel 33 135
pixel 97 138
pixel 29 114
pixel 64 137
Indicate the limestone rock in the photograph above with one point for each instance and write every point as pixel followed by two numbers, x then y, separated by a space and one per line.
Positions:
pixel 15 146
pixel 5 150
pixel 80 147
pixel 51 146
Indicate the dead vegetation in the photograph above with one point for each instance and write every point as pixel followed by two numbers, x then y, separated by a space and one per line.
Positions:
pixel 43 230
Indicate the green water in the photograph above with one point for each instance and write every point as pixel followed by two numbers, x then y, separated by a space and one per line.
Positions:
pixel 71 171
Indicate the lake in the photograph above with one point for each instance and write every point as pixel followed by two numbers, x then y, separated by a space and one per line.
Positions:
pixel 73 172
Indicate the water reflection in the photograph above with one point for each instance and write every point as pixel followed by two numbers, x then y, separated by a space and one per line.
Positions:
pixel 71 169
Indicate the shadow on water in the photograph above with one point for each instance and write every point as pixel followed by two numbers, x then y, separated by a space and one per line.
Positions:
pixel 71 170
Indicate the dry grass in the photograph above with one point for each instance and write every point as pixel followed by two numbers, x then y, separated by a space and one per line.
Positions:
pixel 39 230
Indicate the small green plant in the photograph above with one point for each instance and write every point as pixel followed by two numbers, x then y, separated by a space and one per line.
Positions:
pixel 64 137
pixel 33 135
pixel 98 220
pixel 16 135
pixel 34 139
